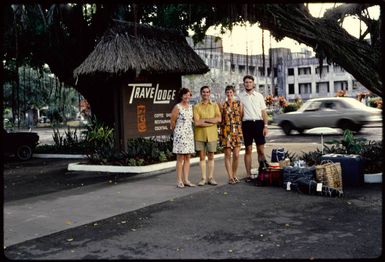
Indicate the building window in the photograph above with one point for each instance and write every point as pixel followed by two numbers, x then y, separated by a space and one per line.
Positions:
pixel 325 69
pixel 290 71
pixel 340 85
pixel 338 69
pixel 261 89
pixel 304 71
pixel 304 88
pixel 232 67
pixel 355 84
pixel 251 70
pixel 241 68
pixel 291 89
pixel 261 71
pixel 322 88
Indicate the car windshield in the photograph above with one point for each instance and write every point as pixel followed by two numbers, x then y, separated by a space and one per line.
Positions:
pixel 310 106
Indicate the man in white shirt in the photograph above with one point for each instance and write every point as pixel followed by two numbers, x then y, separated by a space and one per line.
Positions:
pixel 254 123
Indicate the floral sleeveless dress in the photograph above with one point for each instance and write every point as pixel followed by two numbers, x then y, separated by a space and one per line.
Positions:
pixel 231 126
pixel 183 133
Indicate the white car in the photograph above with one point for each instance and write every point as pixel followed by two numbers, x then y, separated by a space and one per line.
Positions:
pixel 333 112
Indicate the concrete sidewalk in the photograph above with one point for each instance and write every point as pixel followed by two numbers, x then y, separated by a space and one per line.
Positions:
pixel 38 216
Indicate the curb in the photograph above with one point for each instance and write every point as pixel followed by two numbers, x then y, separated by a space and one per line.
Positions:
pixel 135 169
pixel 131 169
pixel 65 156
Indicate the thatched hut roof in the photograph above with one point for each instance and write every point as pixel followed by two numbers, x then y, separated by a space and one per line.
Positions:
pixel 128 47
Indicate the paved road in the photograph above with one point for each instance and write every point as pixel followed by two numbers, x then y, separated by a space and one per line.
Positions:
pixel 276 135
pixel 147 217
pixel 373 132
pixel 226 222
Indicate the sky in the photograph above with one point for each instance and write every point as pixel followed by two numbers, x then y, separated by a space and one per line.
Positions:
pixel 248 39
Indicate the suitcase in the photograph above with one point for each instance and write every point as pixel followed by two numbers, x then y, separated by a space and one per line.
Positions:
pixel 291 174
pixel 270 177
pixel 352 168
pixel 309 187
pixel 278 154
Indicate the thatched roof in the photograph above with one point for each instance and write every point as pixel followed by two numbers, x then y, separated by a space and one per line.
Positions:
pixel 139 48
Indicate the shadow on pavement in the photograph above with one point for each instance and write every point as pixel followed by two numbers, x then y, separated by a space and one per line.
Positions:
pixel 43 176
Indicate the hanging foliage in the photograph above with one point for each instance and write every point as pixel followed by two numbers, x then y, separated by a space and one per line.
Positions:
pixel 63 34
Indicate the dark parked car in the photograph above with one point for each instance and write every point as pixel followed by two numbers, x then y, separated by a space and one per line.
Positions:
pixel 20 144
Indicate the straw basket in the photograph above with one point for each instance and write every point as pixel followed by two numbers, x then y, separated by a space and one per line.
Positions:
pixel 330 174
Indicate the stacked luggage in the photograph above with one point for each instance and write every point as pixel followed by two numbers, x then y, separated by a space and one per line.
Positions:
pixel 325 179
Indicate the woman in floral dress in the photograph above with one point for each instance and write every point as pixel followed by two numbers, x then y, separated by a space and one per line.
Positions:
pixel 231 132
pixel 183 143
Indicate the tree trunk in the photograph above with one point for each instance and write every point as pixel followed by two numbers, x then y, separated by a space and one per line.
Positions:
pixel 17 80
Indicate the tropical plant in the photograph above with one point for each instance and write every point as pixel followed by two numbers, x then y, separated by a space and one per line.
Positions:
pixel 100 140
pixel 298 101
pixel 269 100
pixel 37 87
pixel 67 143
pixel 150 150
pixel 312 158
pixel 341 93
pixel 347 145
pixel 375 102
pixel 373 157
pixel 370 151
pixel 290 107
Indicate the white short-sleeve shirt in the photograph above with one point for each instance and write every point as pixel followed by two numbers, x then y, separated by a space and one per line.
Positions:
pixel 253 105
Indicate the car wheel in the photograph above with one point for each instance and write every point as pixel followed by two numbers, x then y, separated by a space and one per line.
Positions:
pixel 24 152
pixel 357 128
pixel 300 130
pixel 287 127
pixel 348 124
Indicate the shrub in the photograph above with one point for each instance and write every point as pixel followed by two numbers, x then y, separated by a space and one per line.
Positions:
pixel 373 155
pixel 347 145
pixel 100 141
pixel 67 143
pixel 375 102
pixel 55 116
pixel 312 158
pixel 370 151
pixel 151 150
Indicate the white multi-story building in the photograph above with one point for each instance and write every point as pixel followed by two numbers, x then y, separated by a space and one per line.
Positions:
pixel 281 73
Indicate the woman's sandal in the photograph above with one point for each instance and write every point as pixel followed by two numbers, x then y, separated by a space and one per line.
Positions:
pixel 248 179
pixel 232 181
pixel 236 179
pixel 188 183
pixel 180 185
